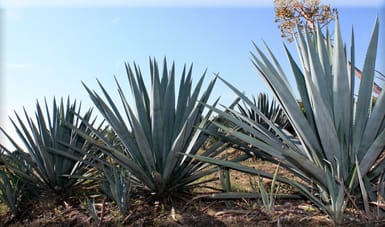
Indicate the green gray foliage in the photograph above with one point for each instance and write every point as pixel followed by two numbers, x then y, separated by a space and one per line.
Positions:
pixel 117 186
pixel 267 197
pixel 90 206
pixel 11 190
pixel 36 162
pixel 335 130
pixel 157 127
pixel 270 109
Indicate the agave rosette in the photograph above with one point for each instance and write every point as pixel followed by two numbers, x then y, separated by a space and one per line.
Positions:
pixel 36 162
pixel 158 127
pixel 339 137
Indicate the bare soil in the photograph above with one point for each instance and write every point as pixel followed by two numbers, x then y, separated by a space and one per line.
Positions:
pixel 68 210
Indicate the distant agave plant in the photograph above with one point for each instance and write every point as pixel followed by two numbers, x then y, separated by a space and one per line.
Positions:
pixel 339 139
pixel 271 110
pixel 157 128
pixel 36 161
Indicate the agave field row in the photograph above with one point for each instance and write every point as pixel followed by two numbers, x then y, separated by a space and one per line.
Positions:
pixel 169 140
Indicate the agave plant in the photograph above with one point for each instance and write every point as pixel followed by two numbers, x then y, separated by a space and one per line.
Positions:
pixel 270 109
pixel 36 162
pixel 339 137
pixel 159 126
pixel 267 197
pixel 14 190
pixel 117 186
pixel 90 206
pixel 11 190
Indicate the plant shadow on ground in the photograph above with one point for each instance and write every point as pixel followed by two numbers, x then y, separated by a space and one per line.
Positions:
pixel 69 210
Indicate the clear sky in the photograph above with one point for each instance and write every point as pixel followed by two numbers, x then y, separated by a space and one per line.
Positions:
pixel 47 51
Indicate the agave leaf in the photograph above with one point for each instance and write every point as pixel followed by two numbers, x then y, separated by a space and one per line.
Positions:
pixel 365 93
pixel 351 93
pixel 120 157
pixel 278 67
pixel 283 153
pixel 93 160
pixel 168 117
pixel 325 126
pixel 117 186
pixel 247 125
pixel 363 188
pixel 253 171
pixel 115 122
pixel 372 154
pixel 262 133
pixel 178 145
pixel 272 187
pixel 286 98
pixel 142 144
pixel 237 166
pixel 301 85
pixel 156 112
pixel 11 191
pixel 183 97
pixel 247 195
pixel 25 139
pixel 342 91
pixel 373 125
pixel 141 98
pixel 316 73
pixel 241 123
pixel 324 56
pixel 264 194
pixel 321 104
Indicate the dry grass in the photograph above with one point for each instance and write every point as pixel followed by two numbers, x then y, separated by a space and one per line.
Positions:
pixel 67 210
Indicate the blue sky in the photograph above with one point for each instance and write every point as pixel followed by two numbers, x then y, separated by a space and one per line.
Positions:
pixel 49 50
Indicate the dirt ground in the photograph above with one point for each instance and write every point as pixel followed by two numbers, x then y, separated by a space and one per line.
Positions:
pixel 195 211
pixel 198 212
